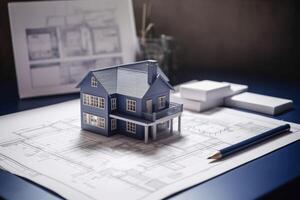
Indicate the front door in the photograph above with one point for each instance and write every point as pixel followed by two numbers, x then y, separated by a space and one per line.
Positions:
pixel 149 106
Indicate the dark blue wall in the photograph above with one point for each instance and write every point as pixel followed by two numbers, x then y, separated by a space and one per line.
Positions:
pixel 96 91
pixel 122 130
pixel 122 105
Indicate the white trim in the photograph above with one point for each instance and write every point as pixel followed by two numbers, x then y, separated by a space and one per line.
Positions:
pixel 131 127
pixel 130 105
pixel 101 102
pixel 128 120
pixel 143 123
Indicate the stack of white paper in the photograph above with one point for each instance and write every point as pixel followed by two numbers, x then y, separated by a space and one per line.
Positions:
pixel 236 88
pixel 259 103
pixel 204 90
pixel 203 95
pixel 176 87
pixel 194 105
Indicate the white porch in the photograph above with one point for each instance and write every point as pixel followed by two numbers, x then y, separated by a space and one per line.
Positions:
pixel 150 125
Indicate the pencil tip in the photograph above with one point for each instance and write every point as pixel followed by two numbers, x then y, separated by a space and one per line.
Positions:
pixel 217 155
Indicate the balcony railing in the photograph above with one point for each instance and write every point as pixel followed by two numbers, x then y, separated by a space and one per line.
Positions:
pixel 174 108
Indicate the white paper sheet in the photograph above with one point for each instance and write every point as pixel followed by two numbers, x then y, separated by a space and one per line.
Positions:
pixel 57 42
pixel 46 145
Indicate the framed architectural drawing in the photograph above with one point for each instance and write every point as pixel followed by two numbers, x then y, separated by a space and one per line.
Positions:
pixel 56 42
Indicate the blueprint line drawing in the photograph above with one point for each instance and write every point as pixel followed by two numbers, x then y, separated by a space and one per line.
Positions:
pixel 76 35
pixel 56 43
pixel 42 43
pixel 55 152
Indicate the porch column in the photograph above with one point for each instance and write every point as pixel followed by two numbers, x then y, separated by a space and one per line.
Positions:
pixel 179 124
pixel 171 126
pixel 154 127
pixel 146 134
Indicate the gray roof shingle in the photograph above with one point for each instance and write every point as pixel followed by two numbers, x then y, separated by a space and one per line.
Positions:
pixel 129 80
pixel 132 83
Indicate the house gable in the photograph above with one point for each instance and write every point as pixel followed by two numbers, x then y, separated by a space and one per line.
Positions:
pixel 108 79
pixel 159 86
pixel 131 79
pixel 99 91
pixel 158 89
pixel 86 87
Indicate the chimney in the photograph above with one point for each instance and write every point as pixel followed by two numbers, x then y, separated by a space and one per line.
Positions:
pixel 152 71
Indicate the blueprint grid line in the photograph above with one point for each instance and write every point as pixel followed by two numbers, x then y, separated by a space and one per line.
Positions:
pixel 55 152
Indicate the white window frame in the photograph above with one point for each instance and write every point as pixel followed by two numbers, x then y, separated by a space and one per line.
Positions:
pixel 113 124
pixel 130 105
pixel 85 99
pixel 94 82
pixel 162 102
pixel 131 127
pixel 101 122
pixel 101 102
pixel 93 120
pixel 93 101
pixel 113 102
pixel 85 118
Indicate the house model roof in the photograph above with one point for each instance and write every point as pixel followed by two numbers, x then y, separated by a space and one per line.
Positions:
pixel 131 79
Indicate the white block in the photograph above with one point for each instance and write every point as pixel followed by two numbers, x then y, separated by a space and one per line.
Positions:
pixel 176 87
pixel 259 103
pixel 236 88
pixel 197 106
pixel 175 97
pixel 205 90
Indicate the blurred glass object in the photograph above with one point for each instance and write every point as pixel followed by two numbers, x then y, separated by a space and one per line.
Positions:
pixel 163 49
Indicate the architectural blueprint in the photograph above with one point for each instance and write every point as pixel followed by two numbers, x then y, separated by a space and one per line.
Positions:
pixel 46 145
pixel 56 43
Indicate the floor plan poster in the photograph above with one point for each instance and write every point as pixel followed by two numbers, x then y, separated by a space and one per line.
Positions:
pixel 56 43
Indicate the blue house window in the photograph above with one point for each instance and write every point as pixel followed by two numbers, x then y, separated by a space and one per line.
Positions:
pixel 131 127
pixel 94 120
pixel 130 105
pixel 94 101
pixel 161 102
pixel 113 103
pixel 94 82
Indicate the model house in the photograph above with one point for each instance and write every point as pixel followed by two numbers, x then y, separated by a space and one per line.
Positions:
pixel 131 99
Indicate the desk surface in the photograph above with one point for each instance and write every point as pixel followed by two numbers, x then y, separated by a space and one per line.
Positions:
pixel 274 175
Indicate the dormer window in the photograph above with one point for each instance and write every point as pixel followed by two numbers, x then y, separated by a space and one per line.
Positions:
pixel 94 82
